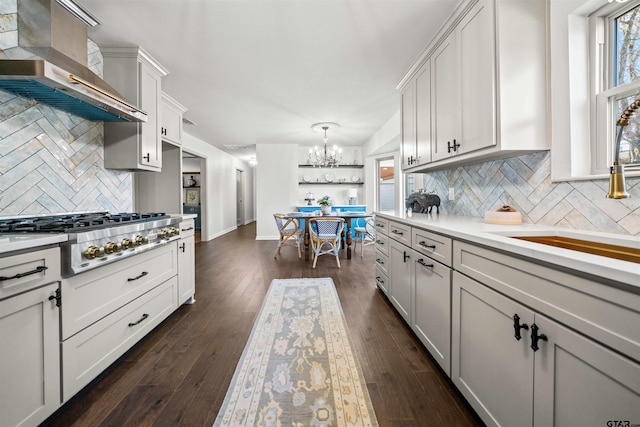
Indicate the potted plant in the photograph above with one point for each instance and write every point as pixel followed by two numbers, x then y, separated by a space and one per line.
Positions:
pixel 325 203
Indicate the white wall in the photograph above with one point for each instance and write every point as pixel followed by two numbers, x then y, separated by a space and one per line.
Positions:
pixel 218 202
pixel 276 185
pixel 385 143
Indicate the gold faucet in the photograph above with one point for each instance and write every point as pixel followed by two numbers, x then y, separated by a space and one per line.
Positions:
pixel 617 186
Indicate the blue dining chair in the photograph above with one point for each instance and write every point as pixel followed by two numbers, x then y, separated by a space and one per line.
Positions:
pixel 325 237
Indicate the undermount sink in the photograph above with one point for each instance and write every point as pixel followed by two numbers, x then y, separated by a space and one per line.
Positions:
pixel 624 253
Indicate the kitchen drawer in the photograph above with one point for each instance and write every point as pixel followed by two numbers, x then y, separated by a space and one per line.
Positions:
pixel 382 262
pixel 382 226
pixel 382 244
pixel 382 281
pixel 400 232
pixel 34 269
pixel 90 296
pixel 187 228
pixel 433 245
pixel 88 353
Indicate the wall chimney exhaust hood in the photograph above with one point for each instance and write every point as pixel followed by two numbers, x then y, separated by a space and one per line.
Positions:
pixel 60 77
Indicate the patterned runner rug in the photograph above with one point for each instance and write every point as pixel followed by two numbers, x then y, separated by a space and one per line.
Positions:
pixel 298 368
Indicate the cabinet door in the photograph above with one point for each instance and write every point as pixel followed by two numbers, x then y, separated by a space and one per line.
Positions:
pixel 432 308
pixel 474 38
pixel 401 278
pixel 150 144
pixel 186 270
pixel 579 382
pixel 492 369
pixel 29 357
pixel 446 111
pixel 423 114
pixel 171 129
pixel 408 119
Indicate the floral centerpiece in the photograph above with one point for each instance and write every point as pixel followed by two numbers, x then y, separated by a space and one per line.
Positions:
pixel 326 203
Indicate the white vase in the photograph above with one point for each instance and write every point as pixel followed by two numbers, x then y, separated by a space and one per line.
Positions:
pixel 326 210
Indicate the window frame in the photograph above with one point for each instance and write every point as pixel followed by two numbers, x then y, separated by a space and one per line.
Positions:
pixel 603 94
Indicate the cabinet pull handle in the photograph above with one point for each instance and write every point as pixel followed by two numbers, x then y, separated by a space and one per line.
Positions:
pixel 535 337
pixel 187 229
pixel 405 256
pixel 131 279
pixel 424 245
pixel 517 326
pixel 182 247
pixel 424 264
pixel 57 296
pixel 147 157
pixel 380 225
pixel 144 316
pixel 453 146
pixel 39 269
pixel 379 261
pixel 400 233
pixel 380 242
pixel 379 280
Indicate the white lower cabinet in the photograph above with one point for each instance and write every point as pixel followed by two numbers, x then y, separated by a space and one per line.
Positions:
pixel 551 376
pixel 431 308
pixel 89 352
pixel 401 273
pixel 29 357
pixel 186 263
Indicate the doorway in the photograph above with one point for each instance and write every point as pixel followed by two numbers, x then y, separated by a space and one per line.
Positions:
pixel 239 197
pixel 194 195
pixel 386 184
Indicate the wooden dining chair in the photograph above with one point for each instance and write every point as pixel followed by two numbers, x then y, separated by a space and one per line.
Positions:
pixel 325 237
pixel 290 231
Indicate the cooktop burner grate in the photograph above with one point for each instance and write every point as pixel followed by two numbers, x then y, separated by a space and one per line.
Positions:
pixel 74 223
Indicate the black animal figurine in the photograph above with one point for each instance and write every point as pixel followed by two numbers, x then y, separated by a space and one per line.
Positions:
pixel 422 202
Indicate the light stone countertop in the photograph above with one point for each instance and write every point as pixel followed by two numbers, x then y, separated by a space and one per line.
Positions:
pixel 475 230
pixel 11 242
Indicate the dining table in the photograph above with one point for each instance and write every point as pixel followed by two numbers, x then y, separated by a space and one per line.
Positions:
pixel 348 217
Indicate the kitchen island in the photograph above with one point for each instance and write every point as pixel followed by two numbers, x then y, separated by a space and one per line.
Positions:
pixel 531 334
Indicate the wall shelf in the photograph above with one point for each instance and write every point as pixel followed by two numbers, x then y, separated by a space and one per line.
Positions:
pixel 330 183
pixel 335 167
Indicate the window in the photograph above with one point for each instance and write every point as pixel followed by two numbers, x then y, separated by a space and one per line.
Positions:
pixel 615 79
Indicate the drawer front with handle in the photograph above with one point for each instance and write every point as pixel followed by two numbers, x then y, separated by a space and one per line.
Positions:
pixel 382 262
pixel 382 281
pixel 400 232
pixel 91 351
pixel 187 228
pixel 22 272
pixel 433 245
pixel 382 244
pixel 382 226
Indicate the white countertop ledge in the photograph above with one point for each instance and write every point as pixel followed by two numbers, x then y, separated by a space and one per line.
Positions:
pixel 17 242
pixel 475 230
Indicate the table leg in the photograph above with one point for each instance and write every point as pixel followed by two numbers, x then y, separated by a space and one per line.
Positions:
pixel 307 240
pixel 348 238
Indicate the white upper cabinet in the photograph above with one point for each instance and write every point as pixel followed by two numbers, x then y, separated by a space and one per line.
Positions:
pixel 138 78
pixel 488 87
pixel 172 111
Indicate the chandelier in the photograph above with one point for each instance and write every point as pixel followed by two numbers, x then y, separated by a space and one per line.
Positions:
pixel 324 157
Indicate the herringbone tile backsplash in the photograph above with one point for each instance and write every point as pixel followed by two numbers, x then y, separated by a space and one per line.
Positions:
pixel 50 161
pixel 524 183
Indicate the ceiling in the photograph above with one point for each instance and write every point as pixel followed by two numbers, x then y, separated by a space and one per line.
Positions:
pixel 263 71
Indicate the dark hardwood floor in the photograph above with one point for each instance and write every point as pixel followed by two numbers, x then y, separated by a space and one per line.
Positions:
pixel 179 374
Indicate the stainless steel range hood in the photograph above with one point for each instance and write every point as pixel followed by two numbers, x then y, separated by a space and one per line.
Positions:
pixel 60 77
